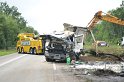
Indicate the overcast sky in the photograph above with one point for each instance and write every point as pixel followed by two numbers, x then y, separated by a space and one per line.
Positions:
pixel 47 16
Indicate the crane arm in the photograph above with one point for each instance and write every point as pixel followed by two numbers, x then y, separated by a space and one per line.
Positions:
pixel 107 17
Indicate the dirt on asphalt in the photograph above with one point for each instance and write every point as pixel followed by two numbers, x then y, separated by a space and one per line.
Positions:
pixel 98 75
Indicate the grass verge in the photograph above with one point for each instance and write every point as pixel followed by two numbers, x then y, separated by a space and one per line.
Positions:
pixel 7 52
pixel 112 49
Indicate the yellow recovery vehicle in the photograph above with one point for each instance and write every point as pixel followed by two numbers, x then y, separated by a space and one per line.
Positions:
pixel 28 44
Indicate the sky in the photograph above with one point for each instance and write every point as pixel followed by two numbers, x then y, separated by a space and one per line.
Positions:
pixel 47 16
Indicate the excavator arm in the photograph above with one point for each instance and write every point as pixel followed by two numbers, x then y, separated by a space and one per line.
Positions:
pixel 106 17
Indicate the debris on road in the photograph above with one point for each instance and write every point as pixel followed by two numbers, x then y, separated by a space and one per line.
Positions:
pixel 101 72
pixel 99 65
pixel 93 75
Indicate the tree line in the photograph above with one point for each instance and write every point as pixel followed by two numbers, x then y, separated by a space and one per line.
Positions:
pixel 109 32
pixel 11 24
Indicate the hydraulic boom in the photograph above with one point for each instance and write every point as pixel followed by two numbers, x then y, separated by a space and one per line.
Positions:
pixel 106 17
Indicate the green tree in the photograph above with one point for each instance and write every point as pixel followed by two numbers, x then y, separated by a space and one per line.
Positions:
pixel 11 24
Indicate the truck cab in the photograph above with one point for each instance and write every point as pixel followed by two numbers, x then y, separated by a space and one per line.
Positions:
pixel 55 48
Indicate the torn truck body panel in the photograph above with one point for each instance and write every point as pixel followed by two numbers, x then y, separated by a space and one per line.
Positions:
pixel 78 41
pixel 78 33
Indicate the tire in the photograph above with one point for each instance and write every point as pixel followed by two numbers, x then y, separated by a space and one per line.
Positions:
pixel 31 51
pixel 35 51
pixel 18 50
pixel 43 52
pixel 47 59
pixel 22 50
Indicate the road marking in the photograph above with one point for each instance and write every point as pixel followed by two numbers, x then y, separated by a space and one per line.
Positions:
pixel 54 66
pixel 14 59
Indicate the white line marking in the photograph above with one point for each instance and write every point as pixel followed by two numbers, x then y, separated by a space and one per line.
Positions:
pixel 54 66
pixel 12 60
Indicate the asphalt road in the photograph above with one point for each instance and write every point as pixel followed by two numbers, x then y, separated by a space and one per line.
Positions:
pixel 32 68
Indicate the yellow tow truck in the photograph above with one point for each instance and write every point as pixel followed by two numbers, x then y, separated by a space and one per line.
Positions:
pixel 28 43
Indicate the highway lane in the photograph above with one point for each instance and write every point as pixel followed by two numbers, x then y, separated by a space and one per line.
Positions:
pixel 32 68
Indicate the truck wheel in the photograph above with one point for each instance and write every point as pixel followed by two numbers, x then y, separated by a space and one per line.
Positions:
pixel 47 59
pixel 34 51
pixel 22 50
pixel 31 51
pixel 18 50
pixel 43 52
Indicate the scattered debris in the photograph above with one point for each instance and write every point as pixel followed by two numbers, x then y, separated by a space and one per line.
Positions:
pixel 101 72
pixel 94 71
pixel 116 67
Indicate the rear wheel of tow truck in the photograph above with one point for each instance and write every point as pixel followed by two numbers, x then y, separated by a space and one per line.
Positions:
pixel 34 51
pixel 31 51
pixel 22 50
pixel 18 50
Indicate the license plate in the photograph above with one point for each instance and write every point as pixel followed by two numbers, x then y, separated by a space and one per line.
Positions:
pixel 57 56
